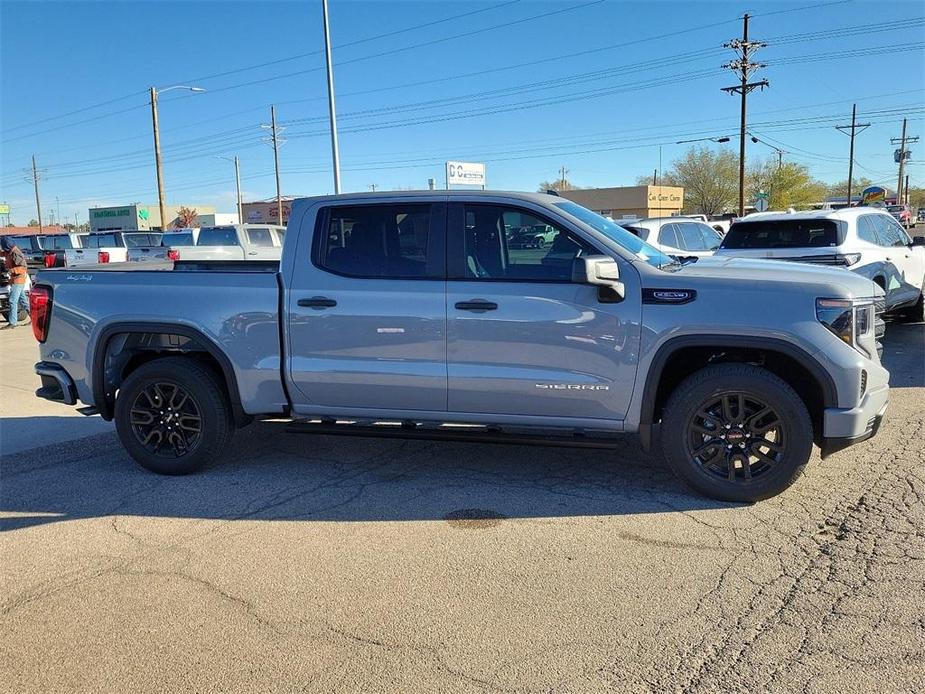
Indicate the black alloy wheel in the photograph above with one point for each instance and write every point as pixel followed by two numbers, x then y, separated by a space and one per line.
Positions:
pixel 166 420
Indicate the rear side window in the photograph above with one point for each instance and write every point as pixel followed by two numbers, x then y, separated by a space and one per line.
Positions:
pixel 58 243
pixel 259 236
pixel 142 240
pixel 691 237
pixel 867 230
pixel 890 231
pixel 782 233
pixel 184 239
pixel 104 241
pixel 376 241
pixel 218 236
pixel 668 236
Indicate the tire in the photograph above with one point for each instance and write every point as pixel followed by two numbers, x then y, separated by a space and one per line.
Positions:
pixel 710 457
pixel 173 446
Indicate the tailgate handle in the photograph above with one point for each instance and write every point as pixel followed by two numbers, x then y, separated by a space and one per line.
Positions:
pixel 477 305
pixel 318 302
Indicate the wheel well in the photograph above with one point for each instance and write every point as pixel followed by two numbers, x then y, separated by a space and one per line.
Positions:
pixel 686 360
pixel 122 353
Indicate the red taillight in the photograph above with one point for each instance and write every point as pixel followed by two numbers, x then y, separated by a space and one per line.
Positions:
pixel 102 257
pixel 50 260
pixel 173 254
pixel 40 311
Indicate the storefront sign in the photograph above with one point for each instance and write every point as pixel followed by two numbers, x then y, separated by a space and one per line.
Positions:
pixel 465 173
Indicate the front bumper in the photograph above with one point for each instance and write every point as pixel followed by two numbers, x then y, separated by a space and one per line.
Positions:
pixel 57 385
pixel 843 428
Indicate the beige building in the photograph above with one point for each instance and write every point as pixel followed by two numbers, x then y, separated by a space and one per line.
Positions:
pixel 138 217
pixel 630 201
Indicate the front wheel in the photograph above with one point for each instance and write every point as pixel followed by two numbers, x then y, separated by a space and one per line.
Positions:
pixel 736 432
pixel 173 416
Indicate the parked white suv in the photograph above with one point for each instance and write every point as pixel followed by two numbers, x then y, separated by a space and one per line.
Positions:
pixel 865 240
pixel 678 236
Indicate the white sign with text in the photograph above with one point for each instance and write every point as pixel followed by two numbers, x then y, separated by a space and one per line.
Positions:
pixel 465 173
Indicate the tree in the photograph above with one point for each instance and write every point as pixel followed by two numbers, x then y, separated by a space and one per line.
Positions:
pixel 787 185
pixel 186 217
pixel 710 180
pixel 558 185
pixel 840 189
pixel 33 223
pixel 916 197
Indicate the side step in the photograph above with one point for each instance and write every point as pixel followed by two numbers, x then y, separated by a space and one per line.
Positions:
pixel 450 432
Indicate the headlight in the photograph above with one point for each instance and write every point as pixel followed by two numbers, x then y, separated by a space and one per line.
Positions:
pixel 849 320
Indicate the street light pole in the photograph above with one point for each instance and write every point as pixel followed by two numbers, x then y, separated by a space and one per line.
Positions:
pixel 237 184
pixel 157 146
pixel 331 108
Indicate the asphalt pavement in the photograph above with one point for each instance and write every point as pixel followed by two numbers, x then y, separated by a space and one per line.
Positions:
pixel 316 564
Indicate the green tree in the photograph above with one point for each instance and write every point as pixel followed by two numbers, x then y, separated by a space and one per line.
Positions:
pixel 710 179
pixel 33 223
pixel 559 184
pixel 787 185
pixel 841 188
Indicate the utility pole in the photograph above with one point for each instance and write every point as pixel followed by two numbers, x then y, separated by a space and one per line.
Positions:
pixel 332 111
pixel 35 182
pixel 854 128
pixel 654 177
pixel 906 196
pixel 744 67
pixel 562 173
pixel 157 158
pixel 372 187
pixel 276 140
pixel 903 155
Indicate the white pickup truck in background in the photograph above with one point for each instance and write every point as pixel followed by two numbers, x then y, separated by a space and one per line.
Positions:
pixel 233 242
pixel 172 242
pixel 109 247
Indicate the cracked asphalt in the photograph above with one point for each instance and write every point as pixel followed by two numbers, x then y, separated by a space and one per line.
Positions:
pixel 317 564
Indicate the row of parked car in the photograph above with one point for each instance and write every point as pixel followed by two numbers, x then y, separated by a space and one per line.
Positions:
pixel 233 242
pixel 867 240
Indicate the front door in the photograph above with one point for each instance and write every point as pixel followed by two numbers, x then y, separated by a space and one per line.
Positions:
pixel 366 309
pixel 522 339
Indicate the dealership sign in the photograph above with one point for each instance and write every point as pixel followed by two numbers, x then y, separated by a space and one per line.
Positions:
pixel 465 173
pixel 112 212
pixel 874 195
pixel 4 209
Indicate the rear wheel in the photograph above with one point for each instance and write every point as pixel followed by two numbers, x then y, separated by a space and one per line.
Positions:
pixel 173 417
pixel 736 432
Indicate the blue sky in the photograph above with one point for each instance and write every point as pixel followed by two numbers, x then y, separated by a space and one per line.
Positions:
pixel 526 86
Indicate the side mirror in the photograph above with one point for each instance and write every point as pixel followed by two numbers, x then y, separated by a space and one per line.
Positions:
pixel 918 241
pixel 601 271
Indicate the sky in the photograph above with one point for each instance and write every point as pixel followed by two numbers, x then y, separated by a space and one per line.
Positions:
pixel 603 88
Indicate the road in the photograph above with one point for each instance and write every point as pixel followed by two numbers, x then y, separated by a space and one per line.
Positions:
pixel 316 564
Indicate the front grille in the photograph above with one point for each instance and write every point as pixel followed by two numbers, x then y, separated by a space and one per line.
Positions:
pixel 879 324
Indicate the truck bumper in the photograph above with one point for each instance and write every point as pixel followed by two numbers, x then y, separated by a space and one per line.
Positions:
pixel 57 385
pixel 843 428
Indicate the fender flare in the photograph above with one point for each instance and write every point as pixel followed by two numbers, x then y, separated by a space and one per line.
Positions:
pixel 101 347
pixel 672 345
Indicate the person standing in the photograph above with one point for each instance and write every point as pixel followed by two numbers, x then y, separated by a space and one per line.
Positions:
pixel 15 262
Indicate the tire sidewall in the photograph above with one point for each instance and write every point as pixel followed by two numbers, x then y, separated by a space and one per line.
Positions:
pixel 202 386
pixel 764 386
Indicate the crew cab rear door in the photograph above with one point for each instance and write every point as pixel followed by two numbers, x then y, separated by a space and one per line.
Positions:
pixel 522 338
pixel 366 309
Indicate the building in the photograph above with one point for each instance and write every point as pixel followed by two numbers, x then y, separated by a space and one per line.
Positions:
pixel 265 212
pixel 630 201
pixel 138 217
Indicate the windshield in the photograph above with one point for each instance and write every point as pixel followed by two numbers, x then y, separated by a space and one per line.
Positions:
pixel 895 208
pixel 618 235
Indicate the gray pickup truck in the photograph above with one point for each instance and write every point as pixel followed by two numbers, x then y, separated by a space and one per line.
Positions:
pixel 409 315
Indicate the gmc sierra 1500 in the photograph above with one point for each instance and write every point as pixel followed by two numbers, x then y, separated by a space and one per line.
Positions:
pixel 409 314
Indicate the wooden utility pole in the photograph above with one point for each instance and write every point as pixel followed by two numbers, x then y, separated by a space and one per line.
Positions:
pixel 852 130
pixel 903 155
pixel 157 159
pixel 35 183
pixel 279 194
pixel 744 67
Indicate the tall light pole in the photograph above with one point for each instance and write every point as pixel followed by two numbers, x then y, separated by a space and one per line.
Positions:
pixel 332 111
pixel 157 145
pixel 237 184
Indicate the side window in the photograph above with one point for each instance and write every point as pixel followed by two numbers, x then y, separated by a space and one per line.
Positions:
pixel 711 237
pixel 867 230
pixel 378 241
pixel 691 237
pixel 259 236
pixel 513 244
pixel 897 235
pixel 668 236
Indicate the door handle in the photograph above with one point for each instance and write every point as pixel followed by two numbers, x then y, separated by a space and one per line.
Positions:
pixel 318 302
pixel 476 305
pixel 252 252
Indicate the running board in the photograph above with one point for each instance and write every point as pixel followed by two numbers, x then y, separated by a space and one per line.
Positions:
pixel 477 434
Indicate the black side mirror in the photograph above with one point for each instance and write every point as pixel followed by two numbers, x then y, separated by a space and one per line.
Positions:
pixel 918 241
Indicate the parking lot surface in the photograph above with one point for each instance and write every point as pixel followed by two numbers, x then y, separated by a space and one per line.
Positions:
pixel 313 564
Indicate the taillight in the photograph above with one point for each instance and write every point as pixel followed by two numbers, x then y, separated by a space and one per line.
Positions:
pixel 173 254
pixel 102 257
pixel 50 260
pixel 40 311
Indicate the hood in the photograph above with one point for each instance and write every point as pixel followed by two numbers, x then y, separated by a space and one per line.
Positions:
pixel 836 282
